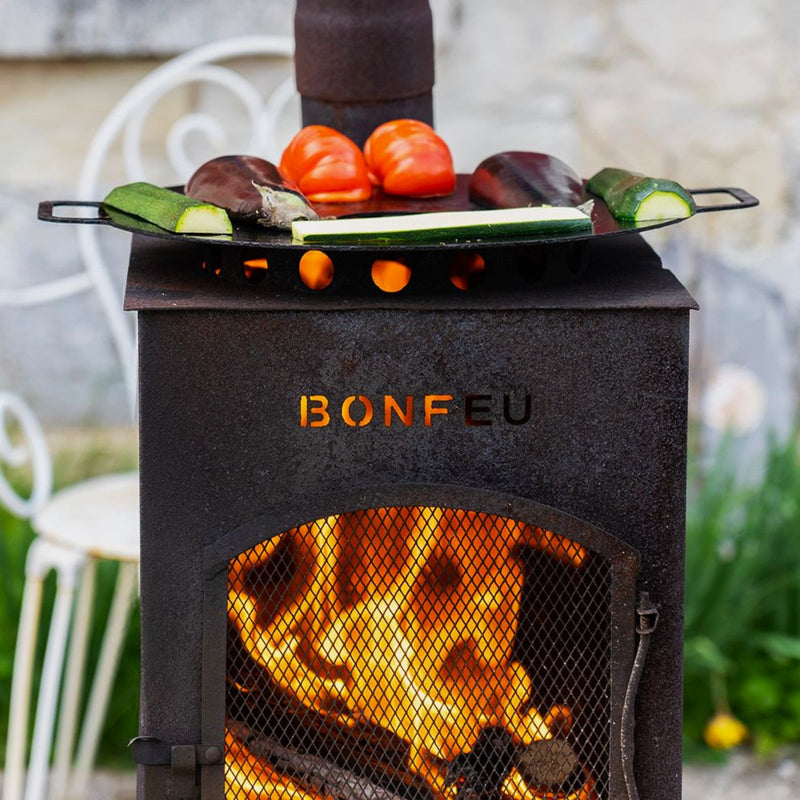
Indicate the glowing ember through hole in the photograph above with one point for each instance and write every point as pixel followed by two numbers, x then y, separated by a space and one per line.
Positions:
pixel 403 620
pixel 254 268
pixel 390 276
pixel 467 270
pixel 316 270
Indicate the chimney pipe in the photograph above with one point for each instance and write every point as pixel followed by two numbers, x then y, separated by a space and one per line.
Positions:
pixel 359 63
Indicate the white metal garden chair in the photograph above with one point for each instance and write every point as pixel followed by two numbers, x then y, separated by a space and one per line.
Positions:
pixel 98 519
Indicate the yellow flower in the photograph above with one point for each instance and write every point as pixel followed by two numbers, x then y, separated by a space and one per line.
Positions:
pixel 724 731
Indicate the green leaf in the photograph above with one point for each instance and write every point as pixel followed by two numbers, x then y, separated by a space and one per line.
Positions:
pixel 701 652
pixel 759 694
pixel 778 645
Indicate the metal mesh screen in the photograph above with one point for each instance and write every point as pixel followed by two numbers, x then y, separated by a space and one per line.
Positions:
pixel 416 652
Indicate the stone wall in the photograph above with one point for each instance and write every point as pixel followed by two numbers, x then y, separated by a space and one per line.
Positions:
pixel 696 90
pixel 125 28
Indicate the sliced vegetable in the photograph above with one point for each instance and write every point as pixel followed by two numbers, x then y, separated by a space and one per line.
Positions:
pixel 408 158
pixel 632 196
pixel 326 166
pixel 442 226
pixel 250 189
pixel 520 178
pixel 168 210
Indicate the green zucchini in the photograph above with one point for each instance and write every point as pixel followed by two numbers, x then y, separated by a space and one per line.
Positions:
pixel 442 226
pixel 168 210
pixel 631 196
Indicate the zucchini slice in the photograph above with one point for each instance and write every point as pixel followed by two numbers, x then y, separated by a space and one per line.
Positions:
pixel 631 196
pixel 169 210
pixel 442 226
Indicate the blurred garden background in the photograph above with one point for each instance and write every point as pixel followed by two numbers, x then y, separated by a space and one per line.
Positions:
pixel 704 93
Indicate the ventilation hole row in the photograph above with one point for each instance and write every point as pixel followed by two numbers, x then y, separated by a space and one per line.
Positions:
pixel 316 271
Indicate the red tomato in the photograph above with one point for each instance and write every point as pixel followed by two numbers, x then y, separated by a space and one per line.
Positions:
pixel 407 157
pixel 326 166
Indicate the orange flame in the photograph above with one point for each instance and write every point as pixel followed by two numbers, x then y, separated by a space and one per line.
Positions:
pixel 247 777
pixel 402 617
pixel 515 787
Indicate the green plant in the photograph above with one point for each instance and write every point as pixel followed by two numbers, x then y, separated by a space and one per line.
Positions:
pixel 743 599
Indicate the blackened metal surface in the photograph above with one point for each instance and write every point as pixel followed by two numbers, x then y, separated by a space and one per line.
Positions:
pixel 222 440
pixel 600 275
pixel 245 235
pixel 363 50
pixel 319 503
pixel 356 58
pixel 359 120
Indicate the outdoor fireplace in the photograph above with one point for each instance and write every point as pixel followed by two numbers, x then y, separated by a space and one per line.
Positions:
pixel 412 544
pixel 394 544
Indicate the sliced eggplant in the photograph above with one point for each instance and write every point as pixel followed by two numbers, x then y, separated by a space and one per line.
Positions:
pixel 250 189
pixel 518 178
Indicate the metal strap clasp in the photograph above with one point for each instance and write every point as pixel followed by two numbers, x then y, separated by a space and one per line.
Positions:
pixel 647 622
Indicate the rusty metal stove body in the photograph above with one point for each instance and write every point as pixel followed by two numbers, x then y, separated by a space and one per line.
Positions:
pixel 375 525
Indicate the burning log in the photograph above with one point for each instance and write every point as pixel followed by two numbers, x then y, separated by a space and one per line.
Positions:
pixel 368 749
pixel 367 752
pixel 548 767
pixel 316 773
pixel 550 763
pixel 482 771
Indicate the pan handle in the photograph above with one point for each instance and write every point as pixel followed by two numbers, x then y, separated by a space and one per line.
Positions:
pixel 46 212
pixel 743 198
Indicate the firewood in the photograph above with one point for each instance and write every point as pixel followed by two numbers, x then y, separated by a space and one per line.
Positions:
pixel 547 763
pixel 314 772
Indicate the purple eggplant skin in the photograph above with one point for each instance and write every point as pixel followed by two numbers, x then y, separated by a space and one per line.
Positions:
pixel 518 178
pixel 251 190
